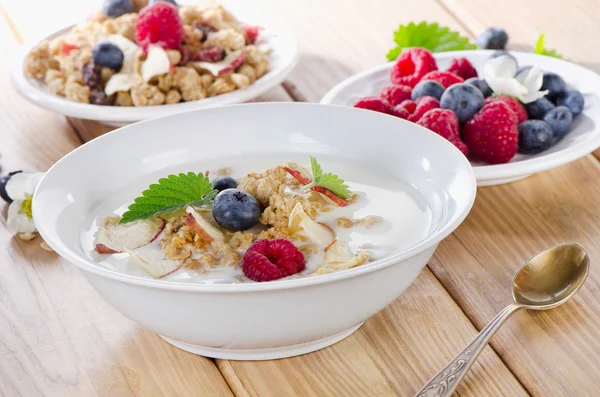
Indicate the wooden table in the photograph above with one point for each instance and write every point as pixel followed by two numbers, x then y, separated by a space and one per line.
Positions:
pixel 59 338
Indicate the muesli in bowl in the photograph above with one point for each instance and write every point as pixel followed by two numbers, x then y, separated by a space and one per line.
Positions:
pixel 287 221
pixel 132 53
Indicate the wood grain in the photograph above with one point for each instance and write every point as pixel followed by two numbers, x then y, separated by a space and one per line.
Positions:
pixel 393 354
pixel 57 336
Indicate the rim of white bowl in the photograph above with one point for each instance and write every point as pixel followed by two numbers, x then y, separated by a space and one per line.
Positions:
pixel 26 87
pixel 430 240
pixel 528 166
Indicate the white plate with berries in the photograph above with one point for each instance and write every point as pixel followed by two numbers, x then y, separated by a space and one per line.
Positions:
pixel 513 114
pixel 116 68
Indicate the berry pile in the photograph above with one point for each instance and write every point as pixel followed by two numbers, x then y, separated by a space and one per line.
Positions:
pixel 460 106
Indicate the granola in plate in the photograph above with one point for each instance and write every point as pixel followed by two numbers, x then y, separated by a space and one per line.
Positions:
pixel 118 57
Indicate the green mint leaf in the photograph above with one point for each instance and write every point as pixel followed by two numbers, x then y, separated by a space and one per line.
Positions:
pixel 329 181
pixel 430 36
pixel 541 50
pixel 169 194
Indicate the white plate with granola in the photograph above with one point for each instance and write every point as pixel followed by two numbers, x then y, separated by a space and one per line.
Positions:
pixel 239 240
pixel 119 70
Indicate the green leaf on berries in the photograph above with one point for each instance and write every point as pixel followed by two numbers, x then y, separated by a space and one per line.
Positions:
pixel 328 180
pixel 170 194
pixel 430 36
pixel 540 49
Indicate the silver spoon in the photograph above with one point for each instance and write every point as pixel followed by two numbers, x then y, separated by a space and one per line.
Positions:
pixel 546 281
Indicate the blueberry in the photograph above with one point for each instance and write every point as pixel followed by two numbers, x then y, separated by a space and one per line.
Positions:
pixel 116 8
pixel 537 109
pixel 481 84
pixel 559 119
pixel 535 136
pixel 235 210
pixel 221 183
pixel 494 38
pixel 427 88
pixel 463 99
pixel 166 1
pixel 3 181
pixel 573 100
pixel 555 85
pixel 108 55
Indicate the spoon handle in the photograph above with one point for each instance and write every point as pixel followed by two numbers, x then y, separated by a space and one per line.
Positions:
pixel 444 383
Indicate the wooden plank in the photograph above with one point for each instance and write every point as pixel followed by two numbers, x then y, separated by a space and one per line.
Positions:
pixel 58 337
pixel 393 354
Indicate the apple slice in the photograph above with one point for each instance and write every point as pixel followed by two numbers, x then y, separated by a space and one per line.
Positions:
pixel 316 232
pixel 202 226
pixel 339 256
pixel 229 64
pixel 156 267
pixel 298 172
pixel 115 237
pixel 330 196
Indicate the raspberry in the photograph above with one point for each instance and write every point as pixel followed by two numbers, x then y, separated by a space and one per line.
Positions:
pixel 401 112
pixel 395 93
pixel 424 104
pixel 252 33
pixel 462 68
pixel 444 78
pixel 492 133
pixel 159 24
pixel 411 65
pixel 460 145
pixel 409 105
pixel 512 103
pixel 376 104
pixel 271 260
pixel 441 121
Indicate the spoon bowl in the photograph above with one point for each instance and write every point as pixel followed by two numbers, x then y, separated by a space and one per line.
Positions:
pixel 551 277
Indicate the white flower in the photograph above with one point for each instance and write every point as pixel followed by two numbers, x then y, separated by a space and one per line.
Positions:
pixel 500 73
pixel 20 189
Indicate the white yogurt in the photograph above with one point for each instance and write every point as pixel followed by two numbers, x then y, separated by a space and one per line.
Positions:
pixel 406 216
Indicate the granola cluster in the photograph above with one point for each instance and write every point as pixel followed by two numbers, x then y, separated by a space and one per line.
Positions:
pixel 67 67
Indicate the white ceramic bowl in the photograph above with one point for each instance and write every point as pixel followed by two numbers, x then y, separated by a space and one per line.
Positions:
pixel 284 57
pixel 581 140
pixel 254 320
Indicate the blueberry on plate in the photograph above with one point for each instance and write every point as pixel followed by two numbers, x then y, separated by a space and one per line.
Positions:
pixel 494 38
pixel 235 210
pixel 463 99
pixel 427 88
pixel 166 1
pixel 559 119
pixel 537 109
pixel 3 181
pixel 535 136
pixel 555 85
pixel 116 8
pixel 481 85
pixel 572 100
pixel 108 55
pixel 221 183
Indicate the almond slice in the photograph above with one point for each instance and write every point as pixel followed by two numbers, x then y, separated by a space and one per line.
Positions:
pixel 115 237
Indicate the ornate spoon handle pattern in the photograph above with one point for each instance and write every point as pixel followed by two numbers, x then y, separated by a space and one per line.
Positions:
pixel 444 383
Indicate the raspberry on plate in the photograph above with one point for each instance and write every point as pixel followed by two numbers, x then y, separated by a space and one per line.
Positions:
pixel 401 112
pixel 271 260
pixel 159 24
pixel 396 93
pixel 424 104
pixel 492 133
pixel 411 66
pixel 441 121
pixel 512 103
pixel 375 104
pixel 409 105
pixel 462 68
pixel 444 78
